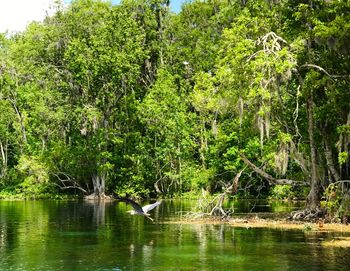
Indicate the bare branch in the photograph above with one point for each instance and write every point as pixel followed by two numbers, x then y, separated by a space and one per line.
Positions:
pixel 68 183
pixel 341 181
pixel 323 70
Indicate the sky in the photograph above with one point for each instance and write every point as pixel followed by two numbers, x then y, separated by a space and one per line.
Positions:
pixel 16 14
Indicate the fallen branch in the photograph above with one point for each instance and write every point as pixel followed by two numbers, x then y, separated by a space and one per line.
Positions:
pixel 268 177
pixel 232 189
pixel 216 205
pixel 308 214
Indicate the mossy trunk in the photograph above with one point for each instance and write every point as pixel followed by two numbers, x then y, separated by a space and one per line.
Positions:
pixel 313 199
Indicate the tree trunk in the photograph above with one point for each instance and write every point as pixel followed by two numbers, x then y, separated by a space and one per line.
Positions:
pixel 329 160
pixel 204 144
pixel 21 122
pixel 99 183
pixel 156 187
pixel 313 199
pixel 3 149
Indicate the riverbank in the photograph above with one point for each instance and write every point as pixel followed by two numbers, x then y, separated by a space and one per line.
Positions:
pixel 282 224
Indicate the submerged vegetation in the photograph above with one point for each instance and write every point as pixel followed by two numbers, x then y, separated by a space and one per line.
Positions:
pixel 247 97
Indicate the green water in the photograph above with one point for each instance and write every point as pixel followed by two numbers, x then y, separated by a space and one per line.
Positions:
pixel 54 235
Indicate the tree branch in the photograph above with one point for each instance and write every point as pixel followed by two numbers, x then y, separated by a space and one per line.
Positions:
pixel 72 184
pixel 323 70
pixel 267 176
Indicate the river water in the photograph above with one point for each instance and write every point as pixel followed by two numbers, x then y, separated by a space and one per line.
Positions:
pixel 73 235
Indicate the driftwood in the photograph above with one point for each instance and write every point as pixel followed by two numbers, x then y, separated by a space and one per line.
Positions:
pixel 308 215
pixel 268 177
pixel 232 189
pixel 214 207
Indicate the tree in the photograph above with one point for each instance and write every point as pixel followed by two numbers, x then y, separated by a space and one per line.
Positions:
pixel 168 132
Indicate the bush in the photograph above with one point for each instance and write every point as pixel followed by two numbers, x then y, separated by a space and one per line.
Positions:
pixel 281 192
pixel 337 202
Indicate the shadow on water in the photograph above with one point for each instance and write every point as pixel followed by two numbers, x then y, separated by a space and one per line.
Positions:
pixel 72 235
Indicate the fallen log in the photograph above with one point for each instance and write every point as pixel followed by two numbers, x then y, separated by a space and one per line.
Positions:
pixel 268 177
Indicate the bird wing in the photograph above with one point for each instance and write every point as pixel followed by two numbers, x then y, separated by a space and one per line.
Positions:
pixel 137 207
pixel 149 207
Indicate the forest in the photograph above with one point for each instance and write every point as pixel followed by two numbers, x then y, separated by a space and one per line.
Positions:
pixel 246 96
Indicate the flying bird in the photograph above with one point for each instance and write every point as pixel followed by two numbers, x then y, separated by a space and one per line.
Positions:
pixel 138 209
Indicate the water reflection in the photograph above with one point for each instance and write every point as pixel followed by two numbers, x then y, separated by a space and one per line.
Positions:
pixel 51 235
pixel 98 211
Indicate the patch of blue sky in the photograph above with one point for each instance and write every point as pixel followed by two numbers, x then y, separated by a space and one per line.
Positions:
pixel 175 5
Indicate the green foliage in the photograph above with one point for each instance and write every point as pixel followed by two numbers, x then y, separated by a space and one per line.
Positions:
pixel 133 190
pixel 288 192
pixel 308 227
pixel 203 178
pixel 343 129
pixel 282 192
pixel 343 157
pixel 336 203
pixel 35 176
pixel 154 102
